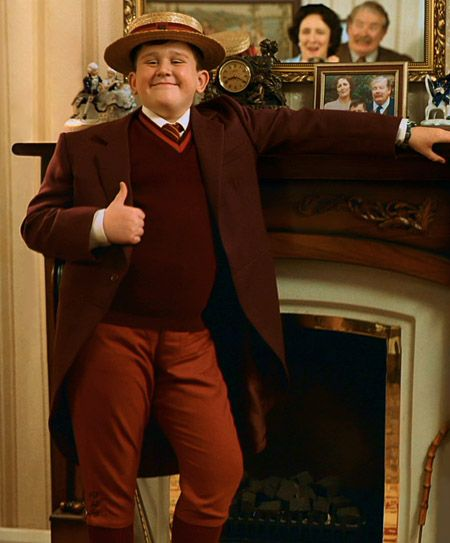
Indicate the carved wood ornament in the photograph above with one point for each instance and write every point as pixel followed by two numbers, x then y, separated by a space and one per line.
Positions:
pixel 394 214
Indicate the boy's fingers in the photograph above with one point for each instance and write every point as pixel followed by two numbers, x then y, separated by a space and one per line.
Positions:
pixel 122 194
pixel 436 158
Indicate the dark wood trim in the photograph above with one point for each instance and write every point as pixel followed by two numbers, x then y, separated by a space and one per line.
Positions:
pixel 367 253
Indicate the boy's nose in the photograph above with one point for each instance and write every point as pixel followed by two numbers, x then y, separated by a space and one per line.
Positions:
pixel 164 67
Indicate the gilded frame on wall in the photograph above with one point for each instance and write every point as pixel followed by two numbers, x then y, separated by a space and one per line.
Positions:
pixel 260 18
pixel 434 43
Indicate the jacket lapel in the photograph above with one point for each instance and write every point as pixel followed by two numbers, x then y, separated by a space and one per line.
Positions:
pixel 112 161
pixel 208 135
pixel 112 157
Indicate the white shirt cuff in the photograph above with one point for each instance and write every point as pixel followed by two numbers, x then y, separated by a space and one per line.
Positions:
pixel 401 132
pixel 97 236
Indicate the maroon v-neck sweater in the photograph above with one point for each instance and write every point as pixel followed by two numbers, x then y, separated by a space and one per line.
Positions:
pixel 172 269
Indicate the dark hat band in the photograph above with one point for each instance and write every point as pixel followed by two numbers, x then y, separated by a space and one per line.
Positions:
pixel 163 26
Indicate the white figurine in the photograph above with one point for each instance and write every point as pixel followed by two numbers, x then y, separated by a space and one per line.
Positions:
pixel 438 107
pixel 84 101
pixel 100 100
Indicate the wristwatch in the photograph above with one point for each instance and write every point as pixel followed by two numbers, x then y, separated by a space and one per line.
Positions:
pixel 234 75
pixel 409 126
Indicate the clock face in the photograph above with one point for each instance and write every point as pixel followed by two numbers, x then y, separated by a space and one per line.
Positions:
pixel 234 75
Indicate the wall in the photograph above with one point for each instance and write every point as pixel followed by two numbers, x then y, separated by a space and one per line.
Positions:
pixel 46 46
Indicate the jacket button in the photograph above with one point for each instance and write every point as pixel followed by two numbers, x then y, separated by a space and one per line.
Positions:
pixel 114 277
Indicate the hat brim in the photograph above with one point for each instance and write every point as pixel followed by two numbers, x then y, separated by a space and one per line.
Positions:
pixel 118 54
pixel 233 41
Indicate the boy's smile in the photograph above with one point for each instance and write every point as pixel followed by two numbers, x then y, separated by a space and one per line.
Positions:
pixel 167 78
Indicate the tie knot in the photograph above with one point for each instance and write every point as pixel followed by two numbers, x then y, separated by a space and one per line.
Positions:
pixel 361 59
pixel 174 130
pixel 379 109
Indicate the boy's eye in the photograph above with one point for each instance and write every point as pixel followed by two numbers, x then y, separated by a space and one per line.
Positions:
pixel 177 61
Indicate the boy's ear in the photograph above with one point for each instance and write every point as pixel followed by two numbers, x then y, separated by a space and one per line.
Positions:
pixel 132 81
pixel 202 80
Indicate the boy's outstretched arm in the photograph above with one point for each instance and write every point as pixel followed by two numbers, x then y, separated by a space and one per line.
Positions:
pixel 423 138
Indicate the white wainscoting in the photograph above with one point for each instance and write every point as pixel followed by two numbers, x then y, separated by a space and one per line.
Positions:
pixel 23 535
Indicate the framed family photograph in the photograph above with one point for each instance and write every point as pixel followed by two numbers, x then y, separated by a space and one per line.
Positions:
pixel 377 87
pixel 261 19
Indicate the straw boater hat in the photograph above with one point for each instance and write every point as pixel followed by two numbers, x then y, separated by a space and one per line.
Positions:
pixel 234 42
pixel 163 26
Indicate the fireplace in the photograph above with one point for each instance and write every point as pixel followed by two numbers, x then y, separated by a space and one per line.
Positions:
pixel 331 470
pixel 417 311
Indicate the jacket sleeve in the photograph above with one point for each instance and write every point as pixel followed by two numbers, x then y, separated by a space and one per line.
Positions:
pixel 314 131
pixel 53 226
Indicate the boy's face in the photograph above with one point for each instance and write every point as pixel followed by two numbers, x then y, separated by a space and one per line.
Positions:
pixel 358 107
pixel 167 78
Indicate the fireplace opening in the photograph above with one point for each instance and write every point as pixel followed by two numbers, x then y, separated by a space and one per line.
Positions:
pixel 330 471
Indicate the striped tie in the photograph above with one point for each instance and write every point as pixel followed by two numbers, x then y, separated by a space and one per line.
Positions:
pixel 174 131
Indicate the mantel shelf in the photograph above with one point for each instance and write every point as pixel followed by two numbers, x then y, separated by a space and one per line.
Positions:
pixel 387 213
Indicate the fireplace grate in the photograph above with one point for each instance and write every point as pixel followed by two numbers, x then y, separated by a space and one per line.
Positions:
pixel 285 527
pixel 294 509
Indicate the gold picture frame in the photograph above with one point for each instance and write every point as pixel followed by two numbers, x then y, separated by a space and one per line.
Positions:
pixel 390 76
pixel 434 43
pixel 260 18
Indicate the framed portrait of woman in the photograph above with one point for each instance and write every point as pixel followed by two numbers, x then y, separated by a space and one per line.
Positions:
pixel 378 87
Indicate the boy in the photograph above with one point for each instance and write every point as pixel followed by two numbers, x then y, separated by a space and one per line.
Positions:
pixel 358 105
pixel 165 248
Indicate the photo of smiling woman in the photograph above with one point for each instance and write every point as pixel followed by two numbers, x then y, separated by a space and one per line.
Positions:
pixel 344 88
pixel 316 34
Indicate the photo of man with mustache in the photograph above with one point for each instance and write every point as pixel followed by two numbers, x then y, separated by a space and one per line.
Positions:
pixel 382 101
pixel 367 25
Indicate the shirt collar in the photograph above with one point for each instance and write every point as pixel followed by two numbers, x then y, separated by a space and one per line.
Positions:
pixel 371 57
pixel 383 106
pixel 160 121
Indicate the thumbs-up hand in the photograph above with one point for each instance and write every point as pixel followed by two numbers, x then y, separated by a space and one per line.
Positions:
pixel 123 224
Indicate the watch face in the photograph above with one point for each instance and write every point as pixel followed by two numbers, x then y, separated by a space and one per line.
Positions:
pixel 234 75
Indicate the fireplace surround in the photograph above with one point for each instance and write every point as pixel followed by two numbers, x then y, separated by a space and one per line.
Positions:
pixel 412 315
pixel 364 240
pixel 420 310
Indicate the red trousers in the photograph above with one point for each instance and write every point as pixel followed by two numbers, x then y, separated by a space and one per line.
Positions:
pixel 122 375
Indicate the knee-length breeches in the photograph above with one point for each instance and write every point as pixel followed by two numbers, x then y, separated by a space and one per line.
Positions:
pixel 121 376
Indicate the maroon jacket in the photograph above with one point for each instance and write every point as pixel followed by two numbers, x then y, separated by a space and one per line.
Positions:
pixel 84 176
